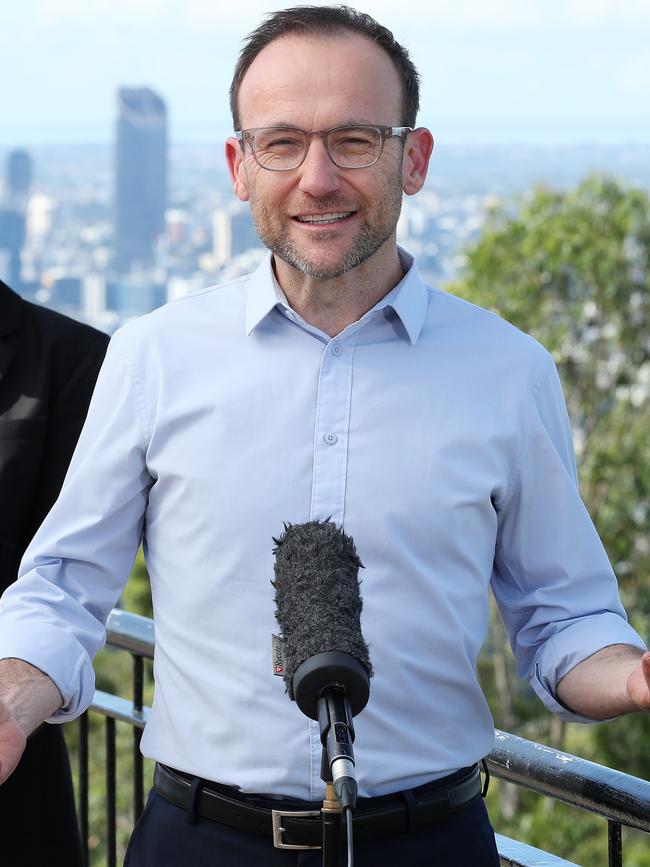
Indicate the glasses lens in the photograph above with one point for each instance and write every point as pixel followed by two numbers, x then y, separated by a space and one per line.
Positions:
pixel 279 149
pixel 354 146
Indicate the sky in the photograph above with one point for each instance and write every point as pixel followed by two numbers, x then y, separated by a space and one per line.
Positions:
pixel 493 71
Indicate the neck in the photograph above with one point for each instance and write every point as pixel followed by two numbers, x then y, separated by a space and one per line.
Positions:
pixel 333 304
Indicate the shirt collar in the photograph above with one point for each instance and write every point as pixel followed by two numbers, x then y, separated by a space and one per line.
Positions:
pixel 408 299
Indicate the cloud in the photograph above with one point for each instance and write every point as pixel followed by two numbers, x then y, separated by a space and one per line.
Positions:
pixel 220 16
pixel 635 75
pixel 607 11
pixel 496 13
pixel 47 11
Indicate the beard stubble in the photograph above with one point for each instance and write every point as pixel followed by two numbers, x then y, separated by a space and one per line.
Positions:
pixel 376 228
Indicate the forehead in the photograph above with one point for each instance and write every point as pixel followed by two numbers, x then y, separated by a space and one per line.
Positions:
pixel 319 82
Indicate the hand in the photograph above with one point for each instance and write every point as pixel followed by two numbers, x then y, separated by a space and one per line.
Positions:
pixel 12 742
pixel 638 684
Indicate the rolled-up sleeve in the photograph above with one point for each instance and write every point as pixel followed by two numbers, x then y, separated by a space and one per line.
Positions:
pixel 76 566
pixel 552 580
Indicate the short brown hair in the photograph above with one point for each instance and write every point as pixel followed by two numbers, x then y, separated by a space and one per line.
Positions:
pixel 328 21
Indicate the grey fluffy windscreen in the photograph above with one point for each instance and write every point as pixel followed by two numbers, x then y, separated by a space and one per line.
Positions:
pixel 318 603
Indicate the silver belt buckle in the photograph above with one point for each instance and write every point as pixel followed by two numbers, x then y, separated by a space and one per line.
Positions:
pixel 278 830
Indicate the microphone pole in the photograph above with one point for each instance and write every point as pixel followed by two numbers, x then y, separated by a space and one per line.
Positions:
pixel 327 666
pixel 332 687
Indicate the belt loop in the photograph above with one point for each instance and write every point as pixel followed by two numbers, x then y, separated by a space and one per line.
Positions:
pixel 191 799
pixel 409 798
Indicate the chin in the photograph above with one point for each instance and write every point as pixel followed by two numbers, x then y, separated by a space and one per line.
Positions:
pixel 327 267
pixel 319 269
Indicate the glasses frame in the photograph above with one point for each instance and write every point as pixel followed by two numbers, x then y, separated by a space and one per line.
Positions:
pixel 247 136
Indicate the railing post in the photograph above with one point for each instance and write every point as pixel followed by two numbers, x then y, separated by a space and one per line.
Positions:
pixel 83 785
pixel 138 784
pixel 111 847
pixel 615 844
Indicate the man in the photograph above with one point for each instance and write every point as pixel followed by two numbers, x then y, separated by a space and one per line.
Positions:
pixel 330 383
pixel 48 367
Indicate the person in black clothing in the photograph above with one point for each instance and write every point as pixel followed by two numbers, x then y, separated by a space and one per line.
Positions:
pixel 48 367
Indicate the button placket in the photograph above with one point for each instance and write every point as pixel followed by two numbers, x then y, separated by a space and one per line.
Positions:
pixel 331 432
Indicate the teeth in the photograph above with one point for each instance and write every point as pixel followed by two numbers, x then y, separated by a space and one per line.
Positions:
pixel 324 218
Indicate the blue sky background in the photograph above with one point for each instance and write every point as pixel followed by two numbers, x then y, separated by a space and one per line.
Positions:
pixel 538 71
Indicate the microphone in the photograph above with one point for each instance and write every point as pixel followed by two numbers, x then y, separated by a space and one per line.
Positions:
pixel 326 662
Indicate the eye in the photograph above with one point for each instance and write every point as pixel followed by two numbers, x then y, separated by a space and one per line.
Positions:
pixel 354 146
pixel 278 140
pixel 282 142
pixel 353 138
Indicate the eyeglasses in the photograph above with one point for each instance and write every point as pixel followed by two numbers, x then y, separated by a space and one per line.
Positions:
pixel 283 148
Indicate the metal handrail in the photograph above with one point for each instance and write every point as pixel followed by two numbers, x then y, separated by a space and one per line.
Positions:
pixel 612 794
pixel 609 793
pixel 620 798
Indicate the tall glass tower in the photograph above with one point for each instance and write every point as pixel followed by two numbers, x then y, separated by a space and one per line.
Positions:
pixel 19 176
pixel 141 176
pixel 18 181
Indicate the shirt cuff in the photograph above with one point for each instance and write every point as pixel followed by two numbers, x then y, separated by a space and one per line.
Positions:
pixel 58 655
pixel 572 645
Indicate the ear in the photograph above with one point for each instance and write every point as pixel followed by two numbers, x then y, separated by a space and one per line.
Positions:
pixel 235 162
pixel 417 153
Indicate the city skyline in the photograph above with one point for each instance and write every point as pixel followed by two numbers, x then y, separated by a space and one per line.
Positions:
pixel 532 71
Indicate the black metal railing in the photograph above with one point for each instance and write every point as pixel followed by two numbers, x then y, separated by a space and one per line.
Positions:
pixel 135 634
pixel 622 800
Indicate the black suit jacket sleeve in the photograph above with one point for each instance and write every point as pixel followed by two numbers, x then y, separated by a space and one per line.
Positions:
pixel 48 367
pixel 66 416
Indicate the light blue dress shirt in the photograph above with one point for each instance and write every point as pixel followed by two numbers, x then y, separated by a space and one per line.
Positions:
pixel 433 431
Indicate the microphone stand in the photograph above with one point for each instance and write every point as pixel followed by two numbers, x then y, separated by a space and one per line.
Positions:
pixel 332 813
pixel 320 695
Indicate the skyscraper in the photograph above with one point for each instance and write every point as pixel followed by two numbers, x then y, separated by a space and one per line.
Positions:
pixel 12 239
pixel 141 176
pixel 18 181
pixel 19 176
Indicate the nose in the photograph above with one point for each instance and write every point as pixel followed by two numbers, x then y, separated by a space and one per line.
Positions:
pixel 318 175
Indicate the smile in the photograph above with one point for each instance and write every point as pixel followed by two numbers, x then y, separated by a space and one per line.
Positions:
pixel 323 218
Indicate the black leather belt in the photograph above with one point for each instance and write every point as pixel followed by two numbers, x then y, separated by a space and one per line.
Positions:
pixel 297 824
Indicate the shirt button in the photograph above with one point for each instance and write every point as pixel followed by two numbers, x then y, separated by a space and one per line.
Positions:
pixel 330 438
pixel 336 349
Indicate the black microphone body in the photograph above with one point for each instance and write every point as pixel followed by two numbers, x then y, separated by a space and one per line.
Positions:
pixel 337 737
pixel 327 666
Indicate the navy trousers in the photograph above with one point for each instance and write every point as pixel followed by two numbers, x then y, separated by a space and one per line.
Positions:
pixel 167 836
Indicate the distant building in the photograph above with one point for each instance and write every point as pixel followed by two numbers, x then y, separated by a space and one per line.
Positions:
pixel 12 239
pixel 18 181
pixel 66 293
pixel 141 176
pixel 233 232
pixel 40 217
pixel 134 294
pixel 19 177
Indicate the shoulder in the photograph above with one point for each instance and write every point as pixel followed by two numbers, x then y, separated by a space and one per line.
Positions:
pixel 490 340
pixel 63 334
pixel 212 311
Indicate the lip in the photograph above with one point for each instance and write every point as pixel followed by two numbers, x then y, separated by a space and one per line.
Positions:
pixel 330 226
